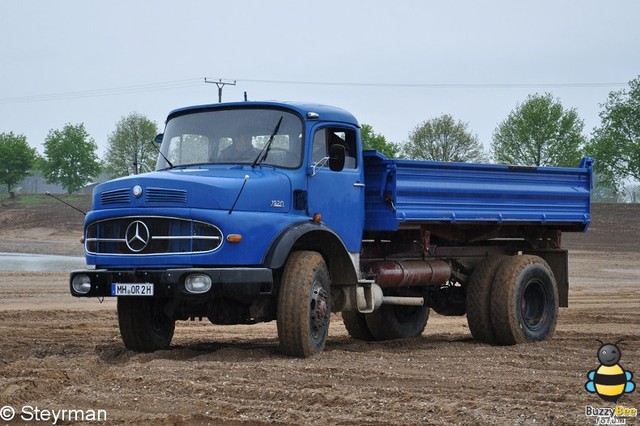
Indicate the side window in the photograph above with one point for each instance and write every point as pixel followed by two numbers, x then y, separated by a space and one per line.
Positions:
pixel 319 146
pixel 324 138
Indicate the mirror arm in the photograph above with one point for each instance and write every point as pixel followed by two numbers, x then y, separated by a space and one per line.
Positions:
pixel 315 168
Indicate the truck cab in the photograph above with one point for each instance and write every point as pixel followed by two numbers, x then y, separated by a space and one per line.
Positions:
pixel 237 189
pixel 261 211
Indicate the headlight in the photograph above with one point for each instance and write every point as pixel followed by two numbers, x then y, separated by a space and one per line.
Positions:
pixel 197 283
pixel 81 284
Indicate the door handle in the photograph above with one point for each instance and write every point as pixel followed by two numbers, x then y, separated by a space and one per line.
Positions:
pixel 359 185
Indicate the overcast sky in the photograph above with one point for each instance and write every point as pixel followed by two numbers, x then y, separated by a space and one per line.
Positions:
pixel 392 64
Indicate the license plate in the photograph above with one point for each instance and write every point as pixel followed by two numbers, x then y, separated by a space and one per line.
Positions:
pixel 128 289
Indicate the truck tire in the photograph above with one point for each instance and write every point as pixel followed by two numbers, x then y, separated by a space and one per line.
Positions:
pixel 392 322
pixel 524 301
pixel 478 299
pixel 144 327
pixel 304 308
pixel 356 325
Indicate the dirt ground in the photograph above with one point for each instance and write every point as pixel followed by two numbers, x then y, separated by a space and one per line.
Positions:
pixel 62 353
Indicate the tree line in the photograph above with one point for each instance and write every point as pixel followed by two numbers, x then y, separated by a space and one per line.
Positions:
pixel 540 131
pixel 70 157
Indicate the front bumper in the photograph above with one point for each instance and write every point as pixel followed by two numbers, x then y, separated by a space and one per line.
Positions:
pixel 235 283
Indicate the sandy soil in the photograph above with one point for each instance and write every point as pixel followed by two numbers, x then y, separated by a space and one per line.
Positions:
pixel 61 353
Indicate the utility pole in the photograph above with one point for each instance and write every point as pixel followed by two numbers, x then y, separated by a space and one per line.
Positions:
pixel 220 83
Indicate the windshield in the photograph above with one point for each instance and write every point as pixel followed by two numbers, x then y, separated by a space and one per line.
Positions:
pixel 233 136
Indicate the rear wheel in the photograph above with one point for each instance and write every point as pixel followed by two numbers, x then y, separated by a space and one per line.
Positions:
pixel 391 322
pixel 356 325
pixel 478 299
pixel 524 301
pixel 144 326
pixel 304 305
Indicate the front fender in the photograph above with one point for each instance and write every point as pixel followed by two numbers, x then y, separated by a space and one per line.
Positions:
pixel 316 237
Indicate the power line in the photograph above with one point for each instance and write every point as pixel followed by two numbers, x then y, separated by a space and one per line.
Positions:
pixel 441 85
pixel 194 82
pixel 112 91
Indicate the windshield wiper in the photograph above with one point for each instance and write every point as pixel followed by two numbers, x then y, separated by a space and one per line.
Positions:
pixel 163 156
pixel 260 158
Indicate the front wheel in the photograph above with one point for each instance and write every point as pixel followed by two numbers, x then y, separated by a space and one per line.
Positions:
pixel 303 304
pixel 144 326
pixel 524 301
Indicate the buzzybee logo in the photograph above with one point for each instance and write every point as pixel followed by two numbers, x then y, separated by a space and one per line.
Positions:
pixel 609 381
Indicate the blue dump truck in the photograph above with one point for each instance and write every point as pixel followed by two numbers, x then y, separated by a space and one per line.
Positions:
pixel 262 211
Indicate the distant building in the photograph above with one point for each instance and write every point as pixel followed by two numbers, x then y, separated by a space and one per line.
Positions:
pixel 36 184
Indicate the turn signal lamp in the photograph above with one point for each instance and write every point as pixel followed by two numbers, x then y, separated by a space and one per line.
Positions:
pixel 317 217
pixel 234 238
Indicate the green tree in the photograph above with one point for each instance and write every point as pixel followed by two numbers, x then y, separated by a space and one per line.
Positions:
pixel 444 139
pixel 130 150
pixel 373 140
pixel 615 145
pixel 16 159
pixel 539 132
pixel 70 157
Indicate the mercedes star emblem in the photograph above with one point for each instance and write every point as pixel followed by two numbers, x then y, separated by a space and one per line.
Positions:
pixel 137 191
pixel 137 236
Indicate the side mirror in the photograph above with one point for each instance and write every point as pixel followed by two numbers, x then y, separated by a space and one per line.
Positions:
pixel 337 155
pixel 158 138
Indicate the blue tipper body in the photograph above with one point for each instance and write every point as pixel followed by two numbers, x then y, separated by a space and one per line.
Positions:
pixel 408 191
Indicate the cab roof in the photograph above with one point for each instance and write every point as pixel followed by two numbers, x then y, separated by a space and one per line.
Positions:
pixel 305 110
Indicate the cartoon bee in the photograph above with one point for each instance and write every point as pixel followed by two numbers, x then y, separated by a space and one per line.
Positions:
pixel 609 380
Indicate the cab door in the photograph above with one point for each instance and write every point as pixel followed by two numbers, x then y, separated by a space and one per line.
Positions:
pixel 338 196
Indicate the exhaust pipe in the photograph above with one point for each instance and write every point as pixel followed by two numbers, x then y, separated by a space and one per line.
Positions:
pixel 366 297
pixel 409 273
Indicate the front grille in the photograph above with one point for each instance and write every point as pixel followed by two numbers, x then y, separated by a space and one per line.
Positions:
pixel 151 235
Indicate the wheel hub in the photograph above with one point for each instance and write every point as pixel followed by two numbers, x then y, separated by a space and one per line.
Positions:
pixel 532 305
pixel 319 310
